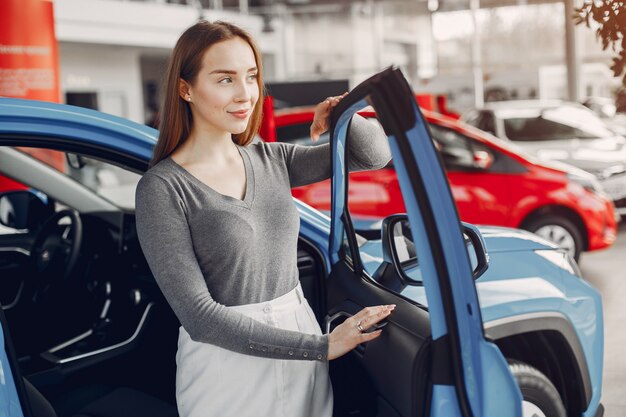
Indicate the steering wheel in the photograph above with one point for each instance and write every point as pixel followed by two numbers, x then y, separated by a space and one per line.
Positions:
pixel 56 248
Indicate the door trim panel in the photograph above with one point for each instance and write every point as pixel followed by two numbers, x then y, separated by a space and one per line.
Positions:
pixel 402 349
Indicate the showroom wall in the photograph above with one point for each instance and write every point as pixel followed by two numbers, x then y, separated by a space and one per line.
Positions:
pixel 106 49
pixel 111 73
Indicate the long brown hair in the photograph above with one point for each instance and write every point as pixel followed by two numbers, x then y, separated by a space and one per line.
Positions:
pixel 185 63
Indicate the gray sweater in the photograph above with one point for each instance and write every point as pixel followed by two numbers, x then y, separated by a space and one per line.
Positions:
pixel 208 251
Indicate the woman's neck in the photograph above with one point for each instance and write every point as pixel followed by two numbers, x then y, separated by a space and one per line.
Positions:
pixel 207 145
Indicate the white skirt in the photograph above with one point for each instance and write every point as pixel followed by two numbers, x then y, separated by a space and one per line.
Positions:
pixel 212 381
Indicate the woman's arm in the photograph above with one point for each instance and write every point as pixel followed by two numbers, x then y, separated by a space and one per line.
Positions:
pixel 166 242
pixel 368 150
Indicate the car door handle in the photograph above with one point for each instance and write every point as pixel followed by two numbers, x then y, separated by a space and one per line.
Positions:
pixel 359 349
pixel 377 326
pixel 330 319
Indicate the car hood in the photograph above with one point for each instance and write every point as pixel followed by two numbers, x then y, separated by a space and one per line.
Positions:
pixel 592 155
pixel 497 240
pixel 520 269
pixel 504 239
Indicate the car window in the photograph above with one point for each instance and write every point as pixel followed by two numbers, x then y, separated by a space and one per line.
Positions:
pixel 107 180
pixel 455 149
pixel 372 195
pixel 558 123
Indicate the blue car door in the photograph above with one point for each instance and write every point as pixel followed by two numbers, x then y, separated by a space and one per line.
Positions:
pixel 429 361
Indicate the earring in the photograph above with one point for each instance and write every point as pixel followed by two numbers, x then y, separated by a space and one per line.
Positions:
pixel 188 98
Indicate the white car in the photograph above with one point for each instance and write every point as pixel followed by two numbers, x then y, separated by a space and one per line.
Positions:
pixel 560 131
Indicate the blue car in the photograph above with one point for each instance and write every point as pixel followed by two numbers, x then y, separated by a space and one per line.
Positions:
pixel 489 322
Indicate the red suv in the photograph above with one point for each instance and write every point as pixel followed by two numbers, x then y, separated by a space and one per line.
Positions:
pixel 492 183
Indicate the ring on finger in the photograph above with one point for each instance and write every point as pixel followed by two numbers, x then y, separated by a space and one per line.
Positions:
pixel 359 327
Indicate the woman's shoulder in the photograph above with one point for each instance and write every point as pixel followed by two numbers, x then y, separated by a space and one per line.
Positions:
pixel 267 150
pixel 158 177
pixel 164 169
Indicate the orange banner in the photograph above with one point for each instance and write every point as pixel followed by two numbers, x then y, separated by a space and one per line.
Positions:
pixel 28 50
pixel 29 60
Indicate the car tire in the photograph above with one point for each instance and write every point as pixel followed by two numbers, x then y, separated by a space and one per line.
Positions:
pixel 559 230
pixel 540 397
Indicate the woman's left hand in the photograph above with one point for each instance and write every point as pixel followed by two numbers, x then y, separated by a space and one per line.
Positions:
pixel 321 119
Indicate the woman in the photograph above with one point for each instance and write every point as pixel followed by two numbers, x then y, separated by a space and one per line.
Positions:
pixel 219 230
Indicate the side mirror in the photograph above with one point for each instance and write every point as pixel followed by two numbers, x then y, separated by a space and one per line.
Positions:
pixel 24 210
pixel 399 248
pixel 482 160
pixel 476 249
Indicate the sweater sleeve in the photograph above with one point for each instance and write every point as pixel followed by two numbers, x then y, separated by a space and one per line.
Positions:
pixel 369 150
pixel 165 239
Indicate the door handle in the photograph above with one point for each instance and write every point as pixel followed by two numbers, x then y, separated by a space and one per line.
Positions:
pixel 330 319
pixel 360 349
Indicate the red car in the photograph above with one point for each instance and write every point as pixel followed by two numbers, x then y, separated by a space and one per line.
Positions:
pixel 492 183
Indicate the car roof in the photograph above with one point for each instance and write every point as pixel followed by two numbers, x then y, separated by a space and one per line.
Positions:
pixel 525 104
pixel 529 108
pixel 511 108
pixel 33 118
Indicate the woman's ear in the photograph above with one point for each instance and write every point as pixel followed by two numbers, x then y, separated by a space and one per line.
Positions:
pixel 184 90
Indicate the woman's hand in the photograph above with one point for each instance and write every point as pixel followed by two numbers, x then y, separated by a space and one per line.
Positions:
pixel 321 118
pixel 351 332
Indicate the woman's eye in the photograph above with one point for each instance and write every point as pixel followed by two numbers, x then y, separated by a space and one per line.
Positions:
pixel 225 80
pixel 253 76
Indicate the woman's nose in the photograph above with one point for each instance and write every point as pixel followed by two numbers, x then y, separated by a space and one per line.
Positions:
pixel 244 92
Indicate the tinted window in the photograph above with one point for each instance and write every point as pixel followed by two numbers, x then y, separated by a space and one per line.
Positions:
pixel 109 181
pixel 455 149
pixel 557 123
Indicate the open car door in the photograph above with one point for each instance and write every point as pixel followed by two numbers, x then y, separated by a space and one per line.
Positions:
pixel 430 360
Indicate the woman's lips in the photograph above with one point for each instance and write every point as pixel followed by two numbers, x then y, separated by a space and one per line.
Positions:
pixel 241 114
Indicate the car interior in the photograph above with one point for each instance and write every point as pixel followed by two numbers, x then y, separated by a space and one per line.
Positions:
pixel 93 335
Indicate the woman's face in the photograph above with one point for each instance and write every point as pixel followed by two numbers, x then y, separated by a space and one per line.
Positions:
pixel 225 91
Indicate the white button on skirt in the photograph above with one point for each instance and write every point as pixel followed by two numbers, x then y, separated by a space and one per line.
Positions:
pixel 212 381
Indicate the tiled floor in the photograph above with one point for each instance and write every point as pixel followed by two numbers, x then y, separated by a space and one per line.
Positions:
pixel 606 270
